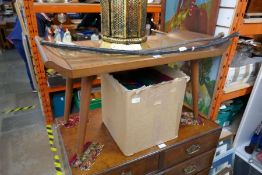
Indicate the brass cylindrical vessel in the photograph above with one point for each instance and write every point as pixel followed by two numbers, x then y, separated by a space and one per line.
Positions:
pixel 123 21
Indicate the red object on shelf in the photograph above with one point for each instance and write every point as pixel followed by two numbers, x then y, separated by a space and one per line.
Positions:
pixel 259 156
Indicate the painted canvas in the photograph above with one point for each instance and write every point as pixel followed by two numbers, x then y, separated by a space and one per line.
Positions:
pixel 198 16
pixel 194 15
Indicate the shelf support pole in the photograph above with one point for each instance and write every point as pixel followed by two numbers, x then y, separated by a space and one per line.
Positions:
pixel 195 85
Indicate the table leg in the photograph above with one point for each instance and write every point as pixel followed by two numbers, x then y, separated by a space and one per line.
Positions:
pixel 86 86
pixel 68 98
pixel 195 85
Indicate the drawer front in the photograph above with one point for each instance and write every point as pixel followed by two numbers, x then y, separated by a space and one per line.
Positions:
pixel 190 149
pixel 193 166
pixel 139 167
pixel 204 172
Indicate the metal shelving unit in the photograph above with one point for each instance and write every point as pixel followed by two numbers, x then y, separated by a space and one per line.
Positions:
pixel 80 7
pixel 245 30
pixel 30 9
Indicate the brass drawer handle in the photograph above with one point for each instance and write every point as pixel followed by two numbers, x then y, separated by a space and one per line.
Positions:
pixel 126 173
pixel 193 149
pixel 190 169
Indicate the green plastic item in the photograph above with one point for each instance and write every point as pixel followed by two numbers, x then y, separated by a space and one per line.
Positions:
pixel 94 103
pixel 226 116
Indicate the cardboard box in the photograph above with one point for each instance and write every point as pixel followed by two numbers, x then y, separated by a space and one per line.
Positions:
pixel 141 118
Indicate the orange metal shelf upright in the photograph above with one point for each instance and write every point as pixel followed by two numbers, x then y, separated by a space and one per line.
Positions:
pixel 80 7
pixel 31 8
pixel 37 62
pixel 96 82
pixel 251 29
pixel 236 94
pixel 244 29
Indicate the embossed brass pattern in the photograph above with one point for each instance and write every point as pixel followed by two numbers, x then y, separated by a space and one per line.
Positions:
pixel 105 21
pixel 124 21
pixel 193 149
pixel 190 169
pixel 127 173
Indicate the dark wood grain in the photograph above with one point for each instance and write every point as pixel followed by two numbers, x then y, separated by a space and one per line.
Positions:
pixel 111 158
pixel 140 167
pixel 254 6
pixel 204 172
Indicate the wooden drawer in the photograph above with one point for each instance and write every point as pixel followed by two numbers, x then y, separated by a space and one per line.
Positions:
pixel 190 149
pixel 139 167
pixel 204 172
pixel 193 166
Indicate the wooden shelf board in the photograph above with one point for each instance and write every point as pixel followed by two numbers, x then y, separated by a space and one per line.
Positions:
pixel 250 29
pixel 96 82
pixel 237 93
pixel 111 157
pixel 80 8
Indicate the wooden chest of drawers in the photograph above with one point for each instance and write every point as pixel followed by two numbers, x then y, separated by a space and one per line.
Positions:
pixel 190 154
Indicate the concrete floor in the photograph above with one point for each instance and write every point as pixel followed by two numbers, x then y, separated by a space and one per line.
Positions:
pixel 24 147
